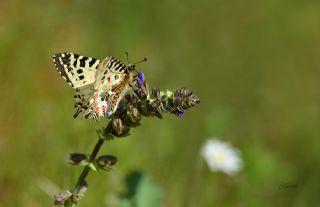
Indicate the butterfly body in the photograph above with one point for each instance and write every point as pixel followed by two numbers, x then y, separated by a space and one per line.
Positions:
pixel 100 85
pixel 119 91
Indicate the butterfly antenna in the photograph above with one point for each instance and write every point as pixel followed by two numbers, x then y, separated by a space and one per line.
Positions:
pixel 127 54
pixel 144 60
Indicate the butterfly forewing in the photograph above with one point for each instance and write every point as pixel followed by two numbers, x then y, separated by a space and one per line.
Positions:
pixel 77 70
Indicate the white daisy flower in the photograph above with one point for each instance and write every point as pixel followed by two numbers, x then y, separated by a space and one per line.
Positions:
pixel 220 156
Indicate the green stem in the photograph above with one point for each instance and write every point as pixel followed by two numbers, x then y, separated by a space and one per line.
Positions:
pixel 86 169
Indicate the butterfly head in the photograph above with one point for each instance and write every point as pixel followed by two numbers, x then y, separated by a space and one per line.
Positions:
pixel 132 67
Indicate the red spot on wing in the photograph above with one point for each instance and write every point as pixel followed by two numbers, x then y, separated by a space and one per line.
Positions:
pixel 109 79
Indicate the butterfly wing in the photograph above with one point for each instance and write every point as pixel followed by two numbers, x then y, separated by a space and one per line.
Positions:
pixel 82 98
pixel 77 70
pixel 117 79
pixel 109 73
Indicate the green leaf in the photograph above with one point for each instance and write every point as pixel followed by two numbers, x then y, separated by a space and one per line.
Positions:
pixel 169 93
pixel 148 193
pixel 69 203
pixel 141 192
pixel 124 202
pixel 79 159
pixel 92 166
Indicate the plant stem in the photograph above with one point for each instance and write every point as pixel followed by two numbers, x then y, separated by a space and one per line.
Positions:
pixel 86 169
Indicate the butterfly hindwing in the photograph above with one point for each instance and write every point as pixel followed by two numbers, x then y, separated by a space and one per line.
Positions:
pixel 83 96
pixel 77 70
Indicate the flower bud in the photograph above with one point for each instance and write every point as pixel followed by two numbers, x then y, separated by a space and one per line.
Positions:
pixel 134 115
pixel 82 189
pixel 156 93
pixel 78 159
pixel 106 162
pixel 61 197
pixel 119 129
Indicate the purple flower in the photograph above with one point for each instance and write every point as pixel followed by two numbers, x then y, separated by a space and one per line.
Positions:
pixel 140 79
pixel 141 76
pixel 180 114
pixel 139 82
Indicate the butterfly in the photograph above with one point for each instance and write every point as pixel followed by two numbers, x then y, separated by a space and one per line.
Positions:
pixel 100 85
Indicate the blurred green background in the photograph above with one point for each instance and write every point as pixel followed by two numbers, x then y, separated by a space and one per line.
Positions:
pixel 254 65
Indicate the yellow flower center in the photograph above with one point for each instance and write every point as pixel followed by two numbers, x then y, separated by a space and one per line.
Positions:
pixel 219 158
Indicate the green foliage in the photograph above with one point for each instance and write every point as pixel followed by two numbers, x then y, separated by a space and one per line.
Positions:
pixel 148 194
pixel 142 192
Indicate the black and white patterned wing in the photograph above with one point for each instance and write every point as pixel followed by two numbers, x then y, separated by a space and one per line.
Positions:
pixel 77 70
pixel 109 73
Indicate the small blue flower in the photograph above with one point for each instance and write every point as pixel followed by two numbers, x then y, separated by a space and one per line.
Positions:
pixel 180 114
pixel 140 79
pixel 141 76
pixel 139 82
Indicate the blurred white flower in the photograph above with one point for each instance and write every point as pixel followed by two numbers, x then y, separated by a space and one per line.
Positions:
pixel 220 156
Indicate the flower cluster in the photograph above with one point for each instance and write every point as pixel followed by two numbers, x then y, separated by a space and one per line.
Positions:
pixel 142 103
